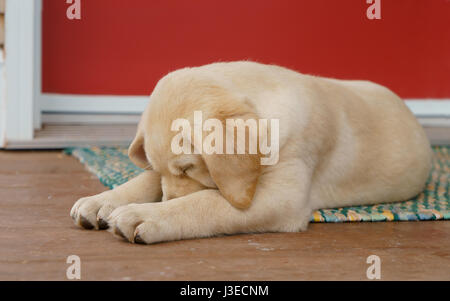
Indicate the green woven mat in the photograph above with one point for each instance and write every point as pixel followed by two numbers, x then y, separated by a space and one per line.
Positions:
pixel 113 167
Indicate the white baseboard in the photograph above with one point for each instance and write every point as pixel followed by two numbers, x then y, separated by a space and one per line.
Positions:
pixel 112 104
pixel 435 108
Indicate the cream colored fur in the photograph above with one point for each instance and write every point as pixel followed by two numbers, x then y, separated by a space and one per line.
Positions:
pixel 341 143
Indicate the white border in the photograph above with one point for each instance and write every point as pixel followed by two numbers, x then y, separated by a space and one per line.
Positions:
pixel 18 106
pixel 429 108
pixel 37 63
pixel 110 104
pixel 2 101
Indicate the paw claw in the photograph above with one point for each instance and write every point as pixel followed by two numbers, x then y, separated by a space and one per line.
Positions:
pixel 85 223
pixel 139 240
pixel 92 212
pixel 102 224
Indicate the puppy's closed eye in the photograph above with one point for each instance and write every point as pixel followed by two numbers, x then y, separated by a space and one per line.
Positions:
pixel 192 166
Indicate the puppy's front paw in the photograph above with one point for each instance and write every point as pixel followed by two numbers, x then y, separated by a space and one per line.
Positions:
pixel 139 223
pixel 92 212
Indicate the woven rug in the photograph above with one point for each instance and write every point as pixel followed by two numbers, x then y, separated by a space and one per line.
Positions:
pixel 113 167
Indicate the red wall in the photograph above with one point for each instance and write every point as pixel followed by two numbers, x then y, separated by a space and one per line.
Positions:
pixel 124 47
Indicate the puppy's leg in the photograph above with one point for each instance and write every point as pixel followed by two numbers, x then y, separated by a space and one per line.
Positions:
pixel 92 212
pixel 280 208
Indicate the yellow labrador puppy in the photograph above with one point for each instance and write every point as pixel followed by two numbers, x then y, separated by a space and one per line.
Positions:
pixel 340 143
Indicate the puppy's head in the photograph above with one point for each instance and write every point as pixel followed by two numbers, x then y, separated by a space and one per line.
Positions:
pixel 234 175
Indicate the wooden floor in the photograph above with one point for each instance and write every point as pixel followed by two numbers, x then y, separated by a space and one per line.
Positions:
pixel 37 190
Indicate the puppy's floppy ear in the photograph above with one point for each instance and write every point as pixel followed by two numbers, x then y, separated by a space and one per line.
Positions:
pixel 236 175
pixel 136 152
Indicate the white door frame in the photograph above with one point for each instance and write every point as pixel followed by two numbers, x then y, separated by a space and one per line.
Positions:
pixel 22 106
pixel 18 103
